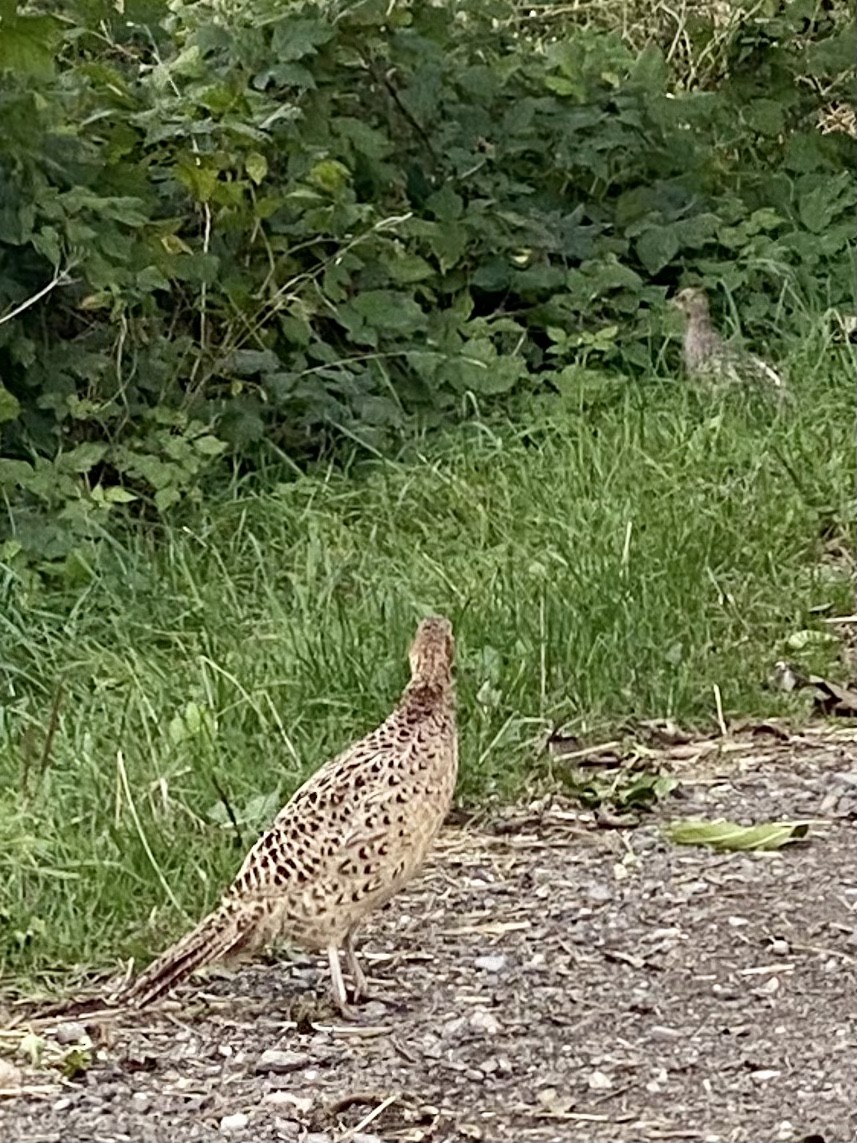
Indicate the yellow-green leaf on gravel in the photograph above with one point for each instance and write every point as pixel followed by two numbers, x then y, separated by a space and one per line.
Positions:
pixel 730 835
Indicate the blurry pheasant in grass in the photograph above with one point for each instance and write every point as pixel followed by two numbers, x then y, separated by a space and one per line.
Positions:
pixel 707 357
pixel 350 838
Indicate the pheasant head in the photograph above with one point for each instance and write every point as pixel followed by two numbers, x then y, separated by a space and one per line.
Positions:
pixel 432 654
pixel 693 302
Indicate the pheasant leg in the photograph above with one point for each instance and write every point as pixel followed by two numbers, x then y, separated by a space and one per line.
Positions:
pixel 337 984
pixel 361 984
pixel 363 990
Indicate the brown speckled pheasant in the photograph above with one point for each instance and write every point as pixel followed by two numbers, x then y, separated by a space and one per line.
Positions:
pixel 346 842
pixel 708 357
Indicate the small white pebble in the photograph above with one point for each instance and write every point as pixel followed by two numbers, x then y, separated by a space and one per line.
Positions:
pixel 780 947
pixel 71 1033
pixel 598 1081
pixel 301 1103
pixel 236 1122
pixel 762 1075
pixel 482 1021
pixel 661 1032
pixel 281 1062
pixel 491 963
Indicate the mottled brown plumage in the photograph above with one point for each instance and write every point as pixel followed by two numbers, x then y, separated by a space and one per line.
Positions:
pixel 708 357
pixel 346 842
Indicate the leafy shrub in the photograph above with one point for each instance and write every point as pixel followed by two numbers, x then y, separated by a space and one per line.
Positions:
pixel 266 226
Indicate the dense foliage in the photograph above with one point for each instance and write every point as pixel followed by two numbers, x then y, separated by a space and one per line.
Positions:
pixel 267 225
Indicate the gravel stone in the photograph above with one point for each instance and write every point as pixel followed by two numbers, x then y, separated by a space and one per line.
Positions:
pixel 282 1062
pixel 491 963
pixel 71 1033
pixel 230 1124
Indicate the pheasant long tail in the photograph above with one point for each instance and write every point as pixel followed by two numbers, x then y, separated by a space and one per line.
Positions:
pixel 217 936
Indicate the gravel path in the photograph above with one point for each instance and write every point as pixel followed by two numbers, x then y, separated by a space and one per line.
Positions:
pixel 546 979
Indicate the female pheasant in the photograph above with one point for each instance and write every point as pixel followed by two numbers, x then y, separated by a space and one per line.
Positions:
pixel 347 841
pixel 708 357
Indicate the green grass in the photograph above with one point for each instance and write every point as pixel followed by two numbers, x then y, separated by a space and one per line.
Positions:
pixel 599 563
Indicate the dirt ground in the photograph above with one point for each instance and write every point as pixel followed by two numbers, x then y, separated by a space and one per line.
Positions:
pixel 549 977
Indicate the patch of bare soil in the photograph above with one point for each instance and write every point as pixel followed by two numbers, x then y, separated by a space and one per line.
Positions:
pixel 546 979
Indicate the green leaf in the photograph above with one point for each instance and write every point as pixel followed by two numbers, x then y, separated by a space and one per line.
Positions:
pixel 697 231
pixel 607 275
pixel 295 38
pixel 650 69
pixel 75 1063
pixel 28 45
pixel 200 181
pixel 247 362
pixel 195 268
pixel 562 86
pixel 166 498
pixel 10 406
pixel 14 473
pixel 83 457
pixel 9 549
pixel 445 204
pixel 726 835
pixel 118 495
pixel 366 140
pixel 192 718
pixel 479 368
pixel 765 116
pixel 209 446
pixel 656 247
pixel 151 278
pixel 329 175
pixel 256 166
pixel 804 152
pixel 388 310
pixel 815 209
pixel 407 268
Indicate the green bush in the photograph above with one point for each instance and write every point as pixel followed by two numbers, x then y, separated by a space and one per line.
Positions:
pixel 267 227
